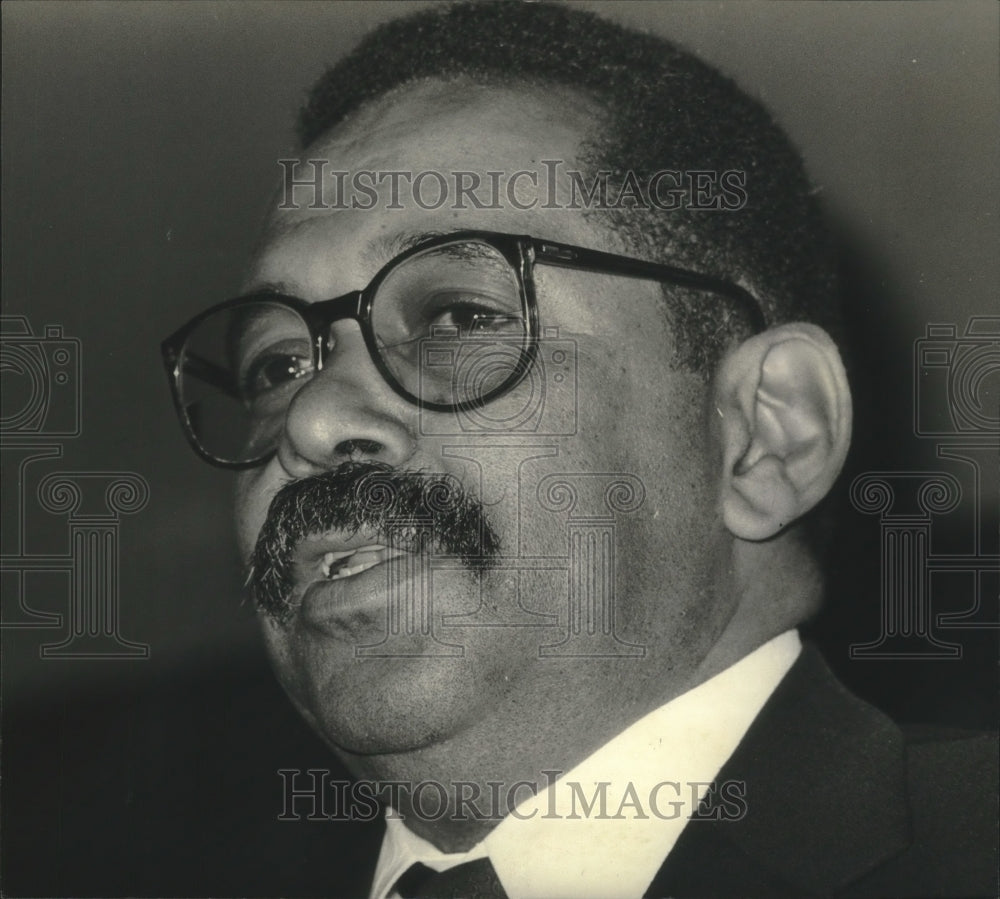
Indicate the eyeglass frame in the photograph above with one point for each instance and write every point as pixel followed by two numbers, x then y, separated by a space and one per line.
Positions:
pixel 521 252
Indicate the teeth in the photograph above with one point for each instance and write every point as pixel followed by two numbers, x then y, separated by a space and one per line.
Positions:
pixel 370 557
pixel 330 558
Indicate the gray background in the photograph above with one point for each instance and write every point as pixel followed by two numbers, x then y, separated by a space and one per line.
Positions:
pixel 139 152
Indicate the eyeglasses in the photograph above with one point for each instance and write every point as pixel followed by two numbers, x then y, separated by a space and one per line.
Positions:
pixel 451 324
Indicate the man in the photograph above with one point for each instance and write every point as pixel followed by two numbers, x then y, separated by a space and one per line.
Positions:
pixel 534 400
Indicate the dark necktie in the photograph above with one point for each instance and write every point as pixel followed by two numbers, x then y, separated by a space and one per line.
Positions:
pixel 471 880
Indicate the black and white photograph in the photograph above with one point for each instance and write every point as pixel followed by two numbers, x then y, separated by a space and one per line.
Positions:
pixel 495 448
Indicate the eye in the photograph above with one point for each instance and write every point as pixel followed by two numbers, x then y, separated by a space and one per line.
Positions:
pixel 471 315
pixel 274 368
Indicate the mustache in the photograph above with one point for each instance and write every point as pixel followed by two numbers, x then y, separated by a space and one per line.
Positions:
pixel 378 500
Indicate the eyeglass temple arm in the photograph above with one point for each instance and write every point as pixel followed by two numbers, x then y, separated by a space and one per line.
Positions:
pixel 211 373
pixel 567 256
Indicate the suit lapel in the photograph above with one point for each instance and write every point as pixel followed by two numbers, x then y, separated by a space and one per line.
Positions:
pixel 825 793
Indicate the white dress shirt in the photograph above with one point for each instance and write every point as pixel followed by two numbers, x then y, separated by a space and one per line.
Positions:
pixel 552 846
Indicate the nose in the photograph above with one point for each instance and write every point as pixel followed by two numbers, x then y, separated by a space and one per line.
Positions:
pixel 345 413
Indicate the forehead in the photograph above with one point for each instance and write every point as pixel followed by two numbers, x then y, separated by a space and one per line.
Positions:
pixel 473 120
pixel 434 131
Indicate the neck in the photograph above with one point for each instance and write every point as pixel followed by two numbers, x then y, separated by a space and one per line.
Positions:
pixel 454 791
pixel 482 771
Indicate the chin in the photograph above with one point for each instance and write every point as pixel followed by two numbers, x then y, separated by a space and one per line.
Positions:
pixel 424 693
pixel 395 705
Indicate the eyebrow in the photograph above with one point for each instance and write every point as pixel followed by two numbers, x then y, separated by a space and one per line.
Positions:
pixel 374 255
pixel 386 247
pixel 282 287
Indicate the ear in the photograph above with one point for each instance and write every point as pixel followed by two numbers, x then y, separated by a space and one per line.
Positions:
pixel 784 410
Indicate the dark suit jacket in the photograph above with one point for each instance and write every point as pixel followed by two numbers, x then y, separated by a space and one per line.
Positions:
pixel 841 802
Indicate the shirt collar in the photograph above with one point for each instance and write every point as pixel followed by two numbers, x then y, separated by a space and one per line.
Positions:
pixel 613 819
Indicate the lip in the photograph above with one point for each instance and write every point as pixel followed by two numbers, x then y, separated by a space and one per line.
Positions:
pixel 310 550
pixel 365 594
pixel 315 556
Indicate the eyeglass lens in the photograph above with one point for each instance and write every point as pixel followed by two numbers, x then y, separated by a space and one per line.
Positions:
pixel 449 325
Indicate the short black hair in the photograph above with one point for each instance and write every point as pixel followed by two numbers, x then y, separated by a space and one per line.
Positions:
pixel 666 109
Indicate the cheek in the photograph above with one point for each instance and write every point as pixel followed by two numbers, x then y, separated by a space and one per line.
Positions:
pixel 254 491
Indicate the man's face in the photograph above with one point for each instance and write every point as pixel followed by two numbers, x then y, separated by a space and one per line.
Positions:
pixel 628 412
